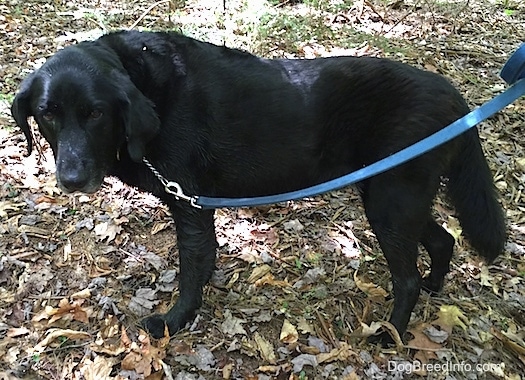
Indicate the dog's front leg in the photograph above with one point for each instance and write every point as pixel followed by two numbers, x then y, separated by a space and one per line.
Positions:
pixel 197 249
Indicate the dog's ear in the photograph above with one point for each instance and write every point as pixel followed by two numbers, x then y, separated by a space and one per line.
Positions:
pixel 21 110
pixel 141 122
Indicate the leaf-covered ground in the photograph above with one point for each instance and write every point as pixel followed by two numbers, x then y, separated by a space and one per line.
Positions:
pixel 297 285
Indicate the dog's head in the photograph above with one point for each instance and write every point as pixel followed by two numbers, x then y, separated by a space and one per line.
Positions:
pixel 88 109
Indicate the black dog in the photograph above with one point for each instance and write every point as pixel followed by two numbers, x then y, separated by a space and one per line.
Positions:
pixel 222 122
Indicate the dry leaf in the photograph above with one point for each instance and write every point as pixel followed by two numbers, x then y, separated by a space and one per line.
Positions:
pixel 107 231
pixel 289 333
pixel 365 330
pixel 6 206
pixel 375 292
pixel 259 272
pixel 517 345
pixel 85 293
pixel 342 353
pixel 65 311
pixel 227 371
pixel 160 226
pixel 53 334
pixel 144 358
pixel 143 301
pixel 421 342
pixel 487 280
pixel 265 348
pixel 97 369
pixel 17 331
pixel 304 359
pixel 450 316
pixel 232 325
pixel 269 279
pixel 304 326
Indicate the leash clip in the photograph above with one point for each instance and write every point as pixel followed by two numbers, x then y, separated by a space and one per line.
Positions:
pixel 172 187
pixel 175 189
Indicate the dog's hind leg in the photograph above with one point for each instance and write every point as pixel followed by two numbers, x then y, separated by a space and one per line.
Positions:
pixel 397 206
pixel 439 245
pixel 197 250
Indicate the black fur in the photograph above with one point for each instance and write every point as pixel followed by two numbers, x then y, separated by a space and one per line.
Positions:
pixel 225 123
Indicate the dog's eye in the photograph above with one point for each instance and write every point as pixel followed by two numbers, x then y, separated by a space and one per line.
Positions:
pixel 95 114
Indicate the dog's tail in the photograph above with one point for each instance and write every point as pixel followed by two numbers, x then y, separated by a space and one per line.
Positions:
pixel 472 192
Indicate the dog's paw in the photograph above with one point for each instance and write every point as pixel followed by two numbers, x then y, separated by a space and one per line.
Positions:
pixel 156 326
pixel 431 286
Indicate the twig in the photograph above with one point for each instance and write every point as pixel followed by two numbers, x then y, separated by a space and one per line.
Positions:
pixel 167 370
pixel 327 330
pixel 134 25
pixel 427 349
pixel 36 140
pixel 371 6
pixel 413 10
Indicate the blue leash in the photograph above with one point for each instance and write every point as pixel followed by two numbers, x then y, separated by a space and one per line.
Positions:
pixel 513 72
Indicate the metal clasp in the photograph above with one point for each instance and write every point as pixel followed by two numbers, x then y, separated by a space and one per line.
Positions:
pixel 172 187
pixel 175 189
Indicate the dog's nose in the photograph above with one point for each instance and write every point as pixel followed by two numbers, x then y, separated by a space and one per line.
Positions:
pixel 72 180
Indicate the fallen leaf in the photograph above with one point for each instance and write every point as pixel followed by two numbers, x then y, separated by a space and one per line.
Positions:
pixel 304 326
pixel 107 231
pixel 66 311
pixel 265 233
pixel 312 276
pixel 155 260
pixel 143 301
pixel 227 371
pixel 6 206
pixel 259 272
pixel 53 334
pixel 85 293
pixel 265 348
pixel 231 325
pixel 317 344
pixel 144 357
pixel 436 335
pixel 375 292
pixel 341 353
pixel 425 347
pixel 514 343
pixel 201 358
pixel 450 316
pixel 160 226
pixel 17 331
pixel 304 359
pixel 364 330
pixel 289 333
pixel 487 280
pixel 269 279
pixel 166 280
pixel 98 368
pixel 293 226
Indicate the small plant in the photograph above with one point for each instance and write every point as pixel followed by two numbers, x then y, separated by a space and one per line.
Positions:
pixel 72 211
pixel 298 263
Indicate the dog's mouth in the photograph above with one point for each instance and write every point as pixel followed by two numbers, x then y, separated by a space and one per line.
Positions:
pixel 69 188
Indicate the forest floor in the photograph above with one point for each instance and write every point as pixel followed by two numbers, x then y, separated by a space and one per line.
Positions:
pixel 298 285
